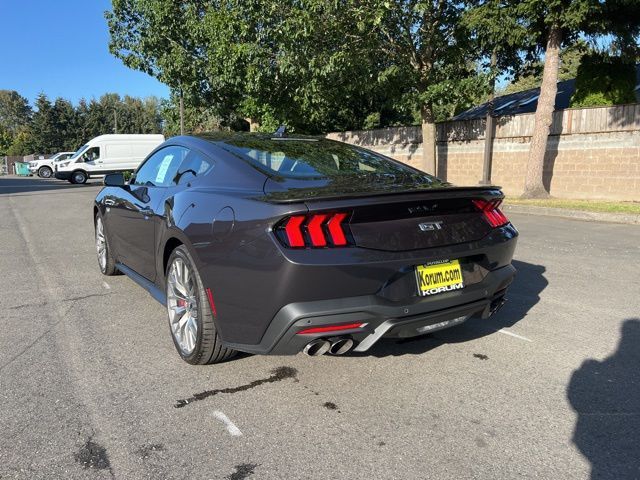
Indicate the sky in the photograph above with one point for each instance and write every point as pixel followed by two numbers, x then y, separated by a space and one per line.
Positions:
pixel 61 48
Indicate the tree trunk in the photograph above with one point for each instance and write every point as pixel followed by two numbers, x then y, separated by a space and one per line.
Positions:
pixel 534 186
pixel 428 139
pixel 489 130
pixel 181 114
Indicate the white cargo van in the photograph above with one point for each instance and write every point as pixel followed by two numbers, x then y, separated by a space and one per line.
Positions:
pixel 107 154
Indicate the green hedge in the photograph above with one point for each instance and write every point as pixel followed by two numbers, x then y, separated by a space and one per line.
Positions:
pixel 603 82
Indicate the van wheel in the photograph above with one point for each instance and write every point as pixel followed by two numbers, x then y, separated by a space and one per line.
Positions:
pixel 78 177
pixel 191 321
pixel 45 172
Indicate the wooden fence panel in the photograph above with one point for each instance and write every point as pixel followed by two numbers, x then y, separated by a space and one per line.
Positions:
pixel 569 121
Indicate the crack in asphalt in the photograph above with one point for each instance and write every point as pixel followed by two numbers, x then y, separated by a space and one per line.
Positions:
pixel 278 374
pixel 83 297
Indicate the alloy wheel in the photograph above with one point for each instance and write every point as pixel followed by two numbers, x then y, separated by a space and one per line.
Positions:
pixel 101 244
pixel 182 305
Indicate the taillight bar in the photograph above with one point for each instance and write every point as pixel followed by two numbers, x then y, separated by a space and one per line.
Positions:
pixel 317 230
pixel 492 214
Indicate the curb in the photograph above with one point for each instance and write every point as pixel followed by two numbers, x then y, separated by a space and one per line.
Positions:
pixel 627 218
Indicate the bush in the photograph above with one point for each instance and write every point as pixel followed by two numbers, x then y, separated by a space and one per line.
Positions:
pixel 604 81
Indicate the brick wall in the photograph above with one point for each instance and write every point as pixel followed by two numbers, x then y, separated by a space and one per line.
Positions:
pixel 593 153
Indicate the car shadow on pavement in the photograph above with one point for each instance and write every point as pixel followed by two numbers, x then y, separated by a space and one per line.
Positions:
pixel 522 295
pixel 606 396
pixel 20 185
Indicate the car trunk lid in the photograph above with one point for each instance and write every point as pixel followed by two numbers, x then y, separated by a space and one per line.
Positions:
pixel 400 217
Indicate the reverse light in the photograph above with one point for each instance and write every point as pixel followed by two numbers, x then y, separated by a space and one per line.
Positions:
pixel 318 230
pixel 491 212
pixel 331 328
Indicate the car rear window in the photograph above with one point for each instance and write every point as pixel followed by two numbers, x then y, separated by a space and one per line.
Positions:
pixel 312 158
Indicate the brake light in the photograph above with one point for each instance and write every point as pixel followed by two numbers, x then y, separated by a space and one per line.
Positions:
pixel 293 231
pixel 317 230
pixel 491 212
pixel 331 328
pixel 335 229
pixel 314 227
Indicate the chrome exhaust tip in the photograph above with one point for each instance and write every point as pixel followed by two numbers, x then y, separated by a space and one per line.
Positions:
pixel 340 346
pixel 317 347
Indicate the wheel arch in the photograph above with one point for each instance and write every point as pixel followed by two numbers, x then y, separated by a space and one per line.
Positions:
pixel 170 245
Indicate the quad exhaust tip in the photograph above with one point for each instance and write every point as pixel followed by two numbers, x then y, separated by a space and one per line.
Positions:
pixel 317 347
pixel 334 346
pixel 340 346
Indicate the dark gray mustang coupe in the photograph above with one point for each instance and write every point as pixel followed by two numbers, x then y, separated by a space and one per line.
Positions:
pixel 275 244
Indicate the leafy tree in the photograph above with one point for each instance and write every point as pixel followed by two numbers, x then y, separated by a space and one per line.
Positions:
pixel 558 22
pixel 530 75
pixel 15 111
pixel 156 37
pixel 312 64
pixel 21 143
pixel 43 127
pixel 603 81
pixel 427 45
pixel 6 139
pixel 65 124
pixel 500 38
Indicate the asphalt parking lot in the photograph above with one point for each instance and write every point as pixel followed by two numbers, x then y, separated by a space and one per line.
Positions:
pixel 91 387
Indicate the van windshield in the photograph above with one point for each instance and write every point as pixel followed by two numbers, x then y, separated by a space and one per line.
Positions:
pixel 80 151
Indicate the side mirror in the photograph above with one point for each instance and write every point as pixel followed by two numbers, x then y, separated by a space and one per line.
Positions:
pixel 114 180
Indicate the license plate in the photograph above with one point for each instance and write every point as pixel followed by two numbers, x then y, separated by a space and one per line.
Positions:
pixel 440 277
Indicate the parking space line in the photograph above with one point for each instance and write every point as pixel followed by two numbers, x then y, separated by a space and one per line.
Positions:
pixel 231 427
pixel 507 332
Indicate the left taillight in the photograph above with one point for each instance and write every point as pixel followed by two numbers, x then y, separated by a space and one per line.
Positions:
pixel 491 211
pixel 318 230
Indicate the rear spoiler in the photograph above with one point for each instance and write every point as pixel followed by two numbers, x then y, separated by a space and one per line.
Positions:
pixel 316 194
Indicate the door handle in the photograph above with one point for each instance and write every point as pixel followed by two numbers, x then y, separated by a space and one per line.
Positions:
pixel 109 202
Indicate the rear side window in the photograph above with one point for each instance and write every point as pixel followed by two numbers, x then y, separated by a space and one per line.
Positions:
pixel 193 166
pixel 161 168
pixel 314 158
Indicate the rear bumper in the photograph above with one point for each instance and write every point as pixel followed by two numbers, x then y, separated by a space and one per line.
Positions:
pixel 383 318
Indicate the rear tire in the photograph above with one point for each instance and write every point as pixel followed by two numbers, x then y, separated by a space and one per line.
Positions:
pixel 106 262
pixel 45 172
pixel 78 177
pixel 191 321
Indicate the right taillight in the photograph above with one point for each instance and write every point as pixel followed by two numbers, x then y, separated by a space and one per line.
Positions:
pixel 318 230
pixel 491 212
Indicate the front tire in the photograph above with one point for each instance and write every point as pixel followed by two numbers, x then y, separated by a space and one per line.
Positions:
pixel 191 321
pixel 45 172
pixel 78 177
pixel 106 262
